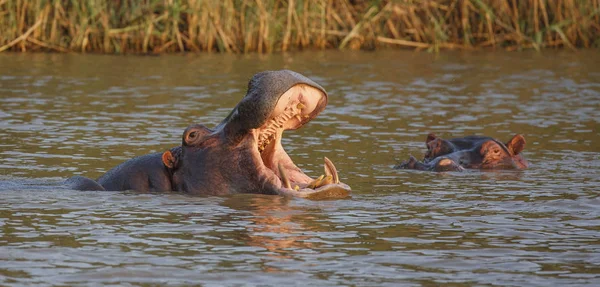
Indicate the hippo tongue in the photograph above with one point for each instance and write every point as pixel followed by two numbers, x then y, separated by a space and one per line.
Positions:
pixel 275 158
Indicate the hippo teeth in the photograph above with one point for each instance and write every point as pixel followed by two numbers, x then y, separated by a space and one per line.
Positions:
pixel 330 176
pixel 284 179
pixel 320 181
pixel 274 125
pixel 316 182
pixel 330 170
pixel 264 140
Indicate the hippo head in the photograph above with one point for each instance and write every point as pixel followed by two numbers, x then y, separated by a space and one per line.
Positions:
pixel 244 154
pixel 479 152
pixel 495 154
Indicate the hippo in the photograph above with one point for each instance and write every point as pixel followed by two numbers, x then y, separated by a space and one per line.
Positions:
pixel 473 152
pixel 242 154
pixel 143 173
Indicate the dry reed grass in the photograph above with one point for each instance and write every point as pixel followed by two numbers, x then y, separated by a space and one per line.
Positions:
pixel 265 26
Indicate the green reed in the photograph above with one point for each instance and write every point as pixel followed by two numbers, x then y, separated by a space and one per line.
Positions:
pixel 265 26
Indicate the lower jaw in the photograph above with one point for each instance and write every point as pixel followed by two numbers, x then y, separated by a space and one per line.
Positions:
pixel 296 183
pixel 298 180
pixel 330 191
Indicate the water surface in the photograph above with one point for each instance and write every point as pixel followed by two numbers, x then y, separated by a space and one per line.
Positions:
pixel 63 115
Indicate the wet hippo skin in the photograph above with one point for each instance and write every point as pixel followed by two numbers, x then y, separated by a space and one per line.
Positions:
pixel 473 152
pixel 143 173
pixel 243 154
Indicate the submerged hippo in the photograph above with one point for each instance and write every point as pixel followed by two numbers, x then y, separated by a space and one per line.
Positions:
pixel 243 154
pixel 476 152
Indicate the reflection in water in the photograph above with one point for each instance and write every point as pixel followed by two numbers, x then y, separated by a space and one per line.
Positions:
pixel 273 226
pixel 62 115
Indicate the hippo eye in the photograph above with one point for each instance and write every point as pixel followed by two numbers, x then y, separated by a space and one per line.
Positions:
pixel 194 135
pixel 191 137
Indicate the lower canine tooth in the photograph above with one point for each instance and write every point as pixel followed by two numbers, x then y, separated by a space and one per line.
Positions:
pixel 326 180
pixel 315 183
pixel 284 180
pixel 330 170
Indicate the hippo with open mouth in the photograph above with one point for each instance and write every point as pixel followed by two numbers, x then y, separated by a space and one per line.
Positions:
pixel 473 152
pixel 243 154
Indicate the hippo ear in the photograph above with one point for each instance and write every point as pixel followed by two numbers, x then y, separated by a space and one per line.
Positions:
pixel 169 160
pixel 430 137
pixel 438 147
pixel 516 144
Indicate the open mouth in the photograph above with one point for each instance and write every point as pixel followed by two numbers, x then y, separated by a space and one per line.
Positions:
pixel 296 107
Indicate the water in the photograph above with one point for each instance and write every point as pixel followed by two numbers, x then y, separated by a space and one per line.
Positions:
pixel 63 115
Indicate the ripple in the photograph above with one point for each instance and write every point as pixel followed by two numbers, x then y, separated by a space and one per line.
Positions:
pixel 537 227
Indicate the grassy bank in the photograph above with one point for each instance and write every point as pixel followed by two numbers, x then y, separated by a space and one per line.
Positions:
pixel 239 26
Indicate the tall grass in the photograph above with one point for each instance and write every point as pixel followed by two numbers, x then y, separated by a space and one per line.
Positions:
pixel 265 26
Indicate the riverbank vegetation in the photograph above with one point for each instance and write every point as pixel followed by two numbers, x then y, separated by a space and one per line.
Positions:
pixel 265 26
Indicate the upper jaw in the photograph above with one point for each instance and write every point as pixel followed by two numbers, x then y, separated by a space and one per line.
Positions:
pixel 294 108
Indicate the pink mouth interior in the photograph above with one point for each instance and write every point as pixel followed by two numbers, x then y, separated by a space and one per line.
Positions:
pixel 294 108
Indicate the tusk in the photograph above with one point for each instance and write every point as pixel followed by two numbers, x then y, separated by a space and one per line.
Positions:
pixel 327 180
pixel 284 180
pixel 331 170
pixel 313 184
